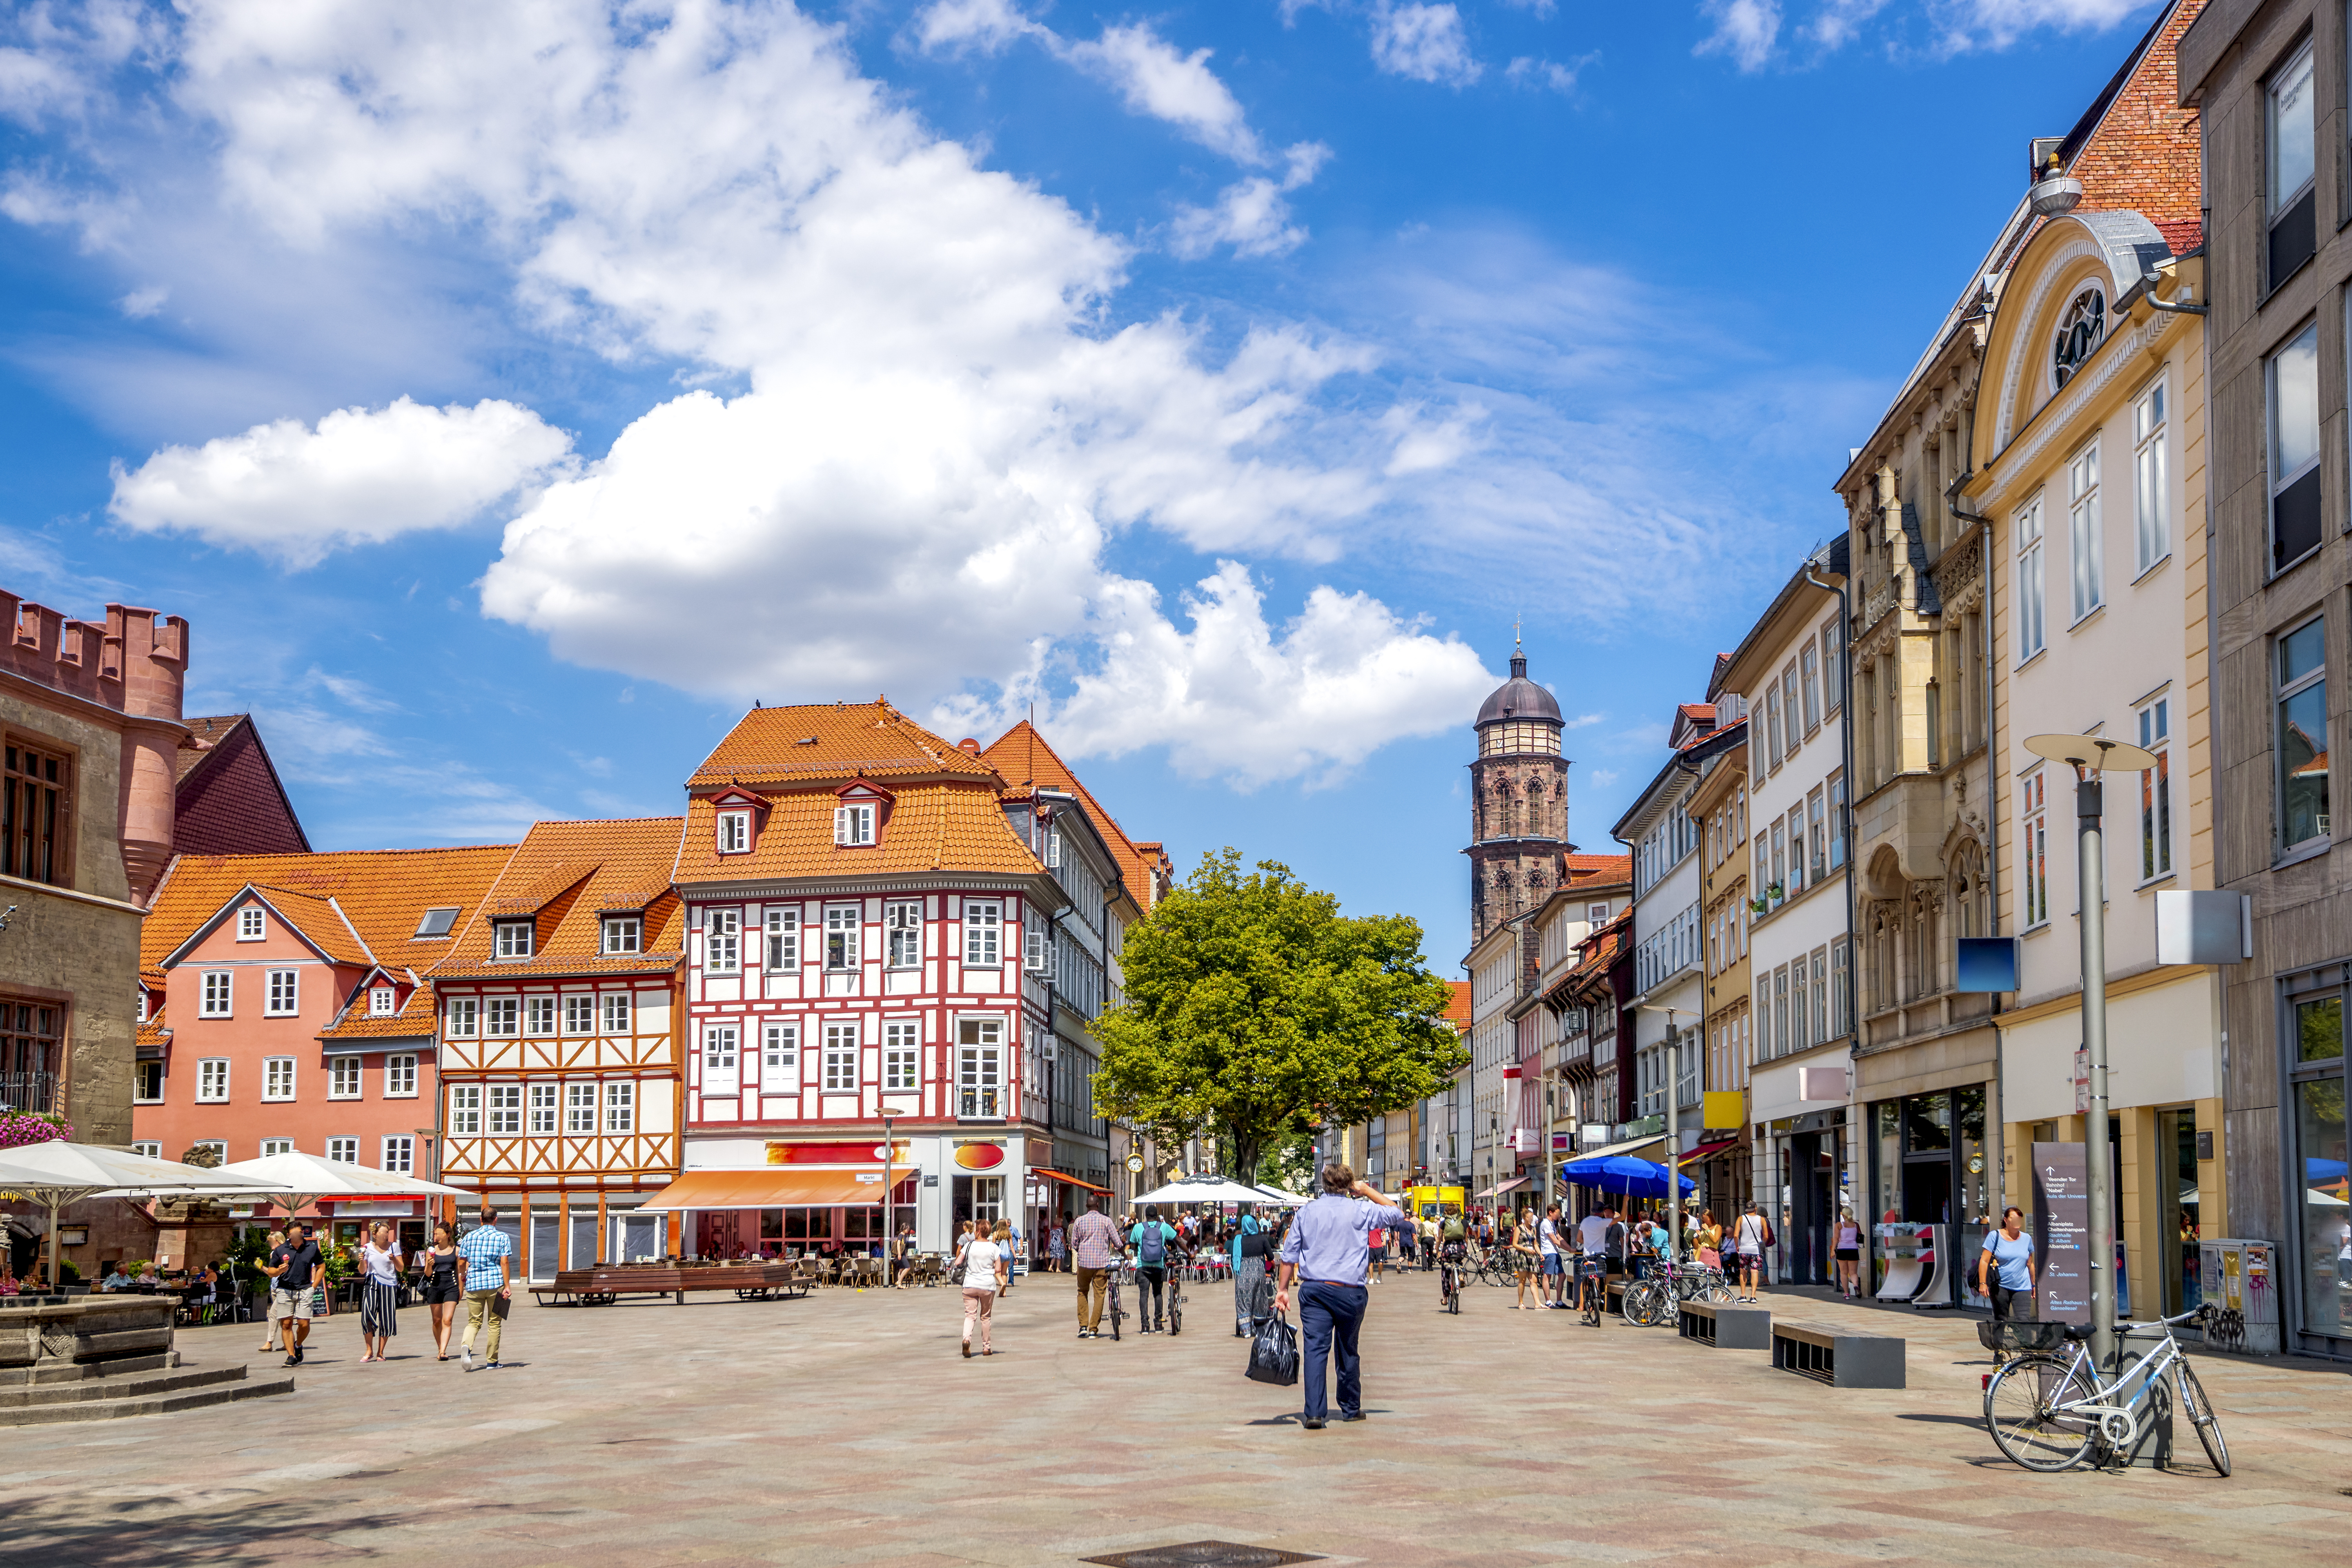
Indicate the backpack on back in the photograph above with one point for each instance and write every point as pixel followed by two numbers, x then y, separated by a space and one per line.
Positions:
pixel 1151 1251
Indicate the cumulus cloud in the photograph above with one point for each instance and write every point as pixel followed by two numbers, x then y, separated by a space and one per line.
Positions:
pixel 1426 43
pixel 1529 71
pixel 1250 215
pixel 1158 80
pixel 1744 30
pixel 1749 32
pixel 982 26
pixel 359 477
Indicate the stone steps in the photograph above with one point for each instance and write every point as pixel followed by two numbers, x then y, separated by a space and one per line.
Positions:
pixel 148 1393
pixel 47 1372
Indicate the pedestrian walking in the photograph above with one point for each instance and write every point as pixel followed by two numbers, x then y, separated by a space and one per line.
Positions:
pixel 1093 1246
pixel 1846 1247
pixel 986 1269
pixel 443 1288
pixel 2005 1266
pixel 379 1260
pixel 295 1265
pixel 1749 1238
pixel 1521 1248
pixel 1152 1239
pixel 1326 1254
pixel 1057 1249
pixel 277 1239
pixel 490 1286
pixel 1249 1245
pixel 1008 1242
pixel 1547 1257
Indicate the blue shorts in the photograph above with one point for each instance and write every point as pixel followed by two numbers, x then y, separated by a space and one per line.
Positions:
pixel 1551 1263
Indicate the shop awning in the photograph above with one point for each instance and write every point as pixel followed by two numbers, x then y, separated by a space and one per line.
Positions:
pixel 1499 1188
pixel 1639 1147
pixel 1709 1151
pixel 768 1188
pixel 1066 1176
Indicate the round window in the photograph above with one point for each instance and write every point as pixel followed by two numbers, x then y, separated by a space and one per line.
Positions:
pixel 2079 332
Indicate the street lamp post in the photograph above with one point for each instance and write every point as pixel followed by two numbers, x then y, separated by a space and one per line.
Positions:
pixel 2091 758
pixel 889 1220
pixel 1673 1137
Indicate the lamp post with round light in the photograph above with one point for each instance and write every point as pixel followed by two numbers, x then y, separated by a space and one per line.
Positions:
pixel 2091 758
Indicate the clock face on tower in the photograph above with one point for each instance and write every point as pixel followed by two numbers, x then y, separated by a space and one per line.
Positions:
pixel 2080 330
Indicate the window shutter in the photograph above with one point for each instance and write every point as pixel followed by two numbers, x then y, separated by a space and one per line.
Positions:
pixel 841 825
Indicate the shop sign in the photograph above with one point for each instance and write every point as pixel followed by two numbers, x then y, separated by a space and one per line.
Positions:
pixel 980 1156
pixel 837 1153
pixel 2062 1234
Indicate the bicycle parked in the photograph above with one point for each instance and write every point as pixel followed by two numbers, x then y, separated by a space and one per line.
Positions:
pixel 1653 1299
pixel 2046 1409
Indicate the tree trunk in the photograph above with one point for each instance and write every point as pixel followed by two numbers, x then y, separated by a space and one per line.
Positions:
pixel 1247 1152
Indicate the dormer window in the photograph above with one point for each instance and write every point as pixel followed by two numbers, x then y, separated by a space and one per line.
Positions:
pixel 734 832
pixel 852 823
pixel 512 938
pixel 248 923
pixel 383 1002
pixel 622 934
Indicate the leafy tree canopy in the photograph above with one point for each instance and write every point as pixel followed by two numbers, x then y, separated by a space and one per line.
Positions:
pixel 1254 1008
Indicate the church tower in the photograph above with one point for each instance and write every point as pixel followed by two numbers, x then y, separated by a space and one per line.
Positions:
pixel 1518 803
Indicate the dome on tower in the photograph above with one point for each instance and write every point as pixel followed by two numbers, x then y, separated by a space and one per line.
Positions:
pixel 1518 697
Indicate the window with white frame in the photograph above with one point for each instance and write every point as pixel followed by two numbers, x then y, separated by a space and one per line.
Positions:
pixel 616 1012
pixel 1817 1014
pixel 1780 1021
pixel 342 1077
pixel 902 932
pixel 579 1013
pixel 841 1056
pixel 465 1110
pixel 147 1083
pixel 2155 790
pixel 979 1068
pixel 249 927
pixel 1037 946
pixel 1837 820
pixel 281 994
pixel 1841 988
pixel 1832 641
pixel 278 1078
pixel 2033 628
pixel 722 941
pixel 780 1049
pixel 840 929
pixel 580 1108
pixel 511 940
pixel 506 1108
pixel 400 1075
pixel 734 832
pixel 2034 883
pixel 213 1000
pixel 783 939
pixel 1790 705
pixel 852 823
pixel 983 920
pixel 620 1106
pixel 901 1060
pixel 2292 377
pixel 346 1150
pixel 383 1002
pixel 464 1018
pixel 503 1015
pixel 399 1154
pixel 219 1146
pixel 622 933
pixel 539 1014
pixel 720 1046
pixel 1772 723
pixel 211 1080
pixel 2151 483
pixel 2085 554
pixel 1817 833
pixel 1809 674
pixel 543 1109
pixel 276 1146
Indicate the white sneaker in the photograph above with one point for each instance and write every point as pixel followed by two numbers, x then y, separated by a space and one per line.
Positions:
pixel 465 1360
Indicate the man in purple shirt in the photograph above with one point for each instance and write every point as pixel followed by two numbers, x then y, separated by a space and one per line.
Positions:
pixel 1326 1252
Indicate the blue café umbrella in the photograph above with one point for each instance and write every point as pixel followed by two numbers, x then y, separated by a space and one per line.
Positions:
pixel 1623 1174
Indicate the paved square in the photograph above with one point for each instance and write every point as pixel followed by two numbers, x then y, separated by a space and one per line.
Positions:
pixel 846 1429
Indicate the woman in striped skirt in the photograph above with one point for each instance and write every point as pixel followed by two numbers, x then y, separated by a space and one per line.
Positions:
pixel 1252 1304
pixel 380 1296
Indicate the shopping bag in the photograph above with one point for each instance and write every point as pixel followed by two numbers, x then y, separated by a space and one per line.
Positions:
pixel 1273 1354
pixel 500 1306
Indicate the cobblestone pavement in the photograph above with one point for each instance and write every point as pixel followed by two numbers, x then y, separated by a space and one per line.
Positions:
pixel 844 1429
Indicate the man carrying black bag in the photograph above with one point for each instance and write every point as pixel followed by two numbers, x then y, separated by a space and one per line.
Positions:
pixel 1327 1253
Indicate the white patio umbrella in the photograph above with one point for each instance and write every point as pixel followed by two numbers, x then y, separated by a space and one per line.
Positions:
pixel 1277 1195
pixel 1204 1189
pixel 306 1178
pixel 57 1172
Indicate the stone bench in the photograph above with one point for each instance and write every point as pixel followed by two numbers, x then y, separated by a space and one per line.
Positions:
pixel 1726 1327
pixel 1838 1357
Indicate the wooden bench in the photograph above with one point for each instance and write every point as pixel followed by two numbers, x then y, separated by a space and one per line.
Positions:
pixel 1838 1357
pixel 603 1287
pixel 1726 1327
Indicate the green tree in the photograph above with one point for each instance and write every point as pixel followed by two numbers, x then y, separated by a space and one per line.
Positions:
pixel 1256 1009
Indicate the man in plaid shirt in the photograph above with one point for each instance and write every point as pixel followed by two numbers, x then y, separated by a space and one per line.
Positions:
pixel 1095 1248
pixel 489 1283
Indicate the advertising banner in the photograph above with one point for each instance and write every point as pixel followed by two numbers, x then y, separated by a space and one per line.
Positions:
pixel 2062 1234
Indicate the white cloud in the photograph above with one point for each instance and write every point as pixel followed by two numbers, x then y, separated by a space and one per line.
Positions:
pixel 1529 71
pixel 1426 43
pixel 1997 23
pixel 985 27
pixel 1584 721
pixel 142 303
pixel 1746 30
pixel 1231 696
pixel 1250 215
pixel 1839 22
pixel 1542 8
pixel 1156 80
pixel 361 477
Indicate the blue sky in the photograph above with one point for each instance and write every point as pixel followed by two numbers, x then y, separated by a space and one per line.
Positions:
pixel 510 396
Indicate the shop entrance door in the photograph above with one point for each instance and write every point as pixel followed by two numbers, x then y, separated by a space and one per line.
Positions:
pixel 2176 1241
pixel 1811 1208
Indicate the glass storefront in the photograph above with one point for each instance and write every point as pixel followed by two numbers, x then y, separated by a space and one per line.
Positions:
pixel 2318 1199
pixel 1815 1184
pixel 2176 1157
pixel 1928 1167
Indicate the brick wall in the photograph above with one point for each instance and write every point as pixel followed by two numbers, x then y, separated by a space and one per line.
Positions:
pixel 2144 155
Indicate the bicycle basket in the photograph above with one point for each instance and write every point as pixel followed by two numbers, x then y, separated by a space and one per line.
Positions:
pixel 2026 1335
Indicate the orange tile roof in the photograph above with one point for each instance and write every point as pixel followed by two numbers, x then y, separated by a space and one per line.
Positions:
pixel 1029 762
pixel 791 745
pixel 1457 1006
pixel 1602 870
pixel 567 874
pixel 940 825
pixel 414 1020
pixel 381 892
pixel 320 920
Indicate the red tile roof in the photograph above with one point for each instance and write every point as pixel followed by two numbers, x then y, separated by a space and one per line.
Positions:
pixel 1457 1006
pixel 839 740
pixel 567 875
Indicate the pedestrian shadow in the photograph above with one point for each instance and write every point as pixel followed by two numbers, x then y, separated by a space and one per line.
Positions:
pixel 1976 1421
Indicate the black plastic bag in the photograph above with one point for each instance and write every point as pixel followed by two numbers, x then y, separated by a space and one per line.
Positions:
pixel 1273 1354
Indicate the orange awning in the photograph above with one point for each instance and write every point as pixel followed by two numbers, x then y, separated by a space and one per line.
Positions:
pixel 768 1188
pixel 1066 1176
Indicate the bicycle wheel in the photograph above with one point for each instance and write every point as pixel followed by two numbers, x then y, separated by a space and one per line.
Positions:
pixel 1175 1309
pixel 1115 1314
pixel 1645 1304
pixel 2022 1412
pixel 1715 1291
pixel 2200 1407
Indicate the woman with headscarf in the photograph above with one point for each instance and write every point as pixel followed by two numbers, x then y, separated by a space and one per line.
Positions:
pixel 1249 1274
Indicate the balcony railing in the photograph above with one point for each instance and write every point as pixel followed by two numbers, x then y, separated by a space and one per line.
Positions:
pixel 29 1092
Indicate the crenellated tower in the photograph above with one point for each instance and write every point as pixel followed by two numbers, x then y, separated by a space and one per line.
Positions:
pixel 1518 802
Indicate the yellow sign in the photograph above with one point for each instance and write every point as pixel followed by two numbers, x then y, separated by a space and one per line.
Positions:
pixel 1726 1108
pixel 1434 1203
